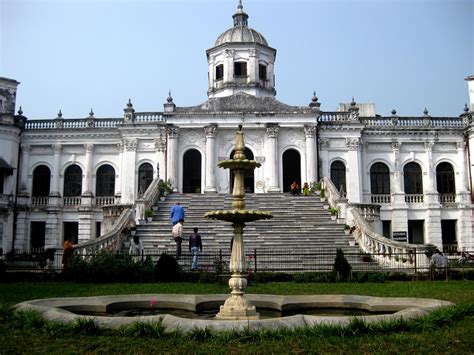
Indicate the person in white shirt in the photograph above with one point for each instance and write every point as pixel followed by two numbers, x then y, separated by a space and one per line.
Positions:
pixel 178 236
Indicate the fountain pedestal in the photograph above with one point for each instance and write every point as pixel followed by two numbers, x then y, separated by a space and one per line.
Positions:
pixel 237 306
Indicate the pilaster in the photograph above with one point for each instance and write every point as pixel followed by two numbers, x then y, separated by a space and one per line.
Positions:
pixel 211 154
pixel 172 163
pixel 311 153
pixel 272 161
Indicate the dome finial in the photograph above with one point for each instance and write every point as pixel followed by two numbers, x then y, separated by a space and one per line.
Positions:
pixel 20 111
pixel 240 17
pixel 169 99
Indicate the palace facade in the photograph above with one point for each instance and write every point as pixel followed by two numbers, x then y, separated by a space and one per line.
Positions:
pixel 58 174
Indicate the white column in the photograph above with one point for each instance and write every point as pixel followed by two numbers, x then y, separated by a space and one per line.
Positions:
pixel 311 153
pixel 56 170
pixel 212 71
pixel 429 167
pixel 173 136
pixel 354 186
pixel 86 187
pixel 25 166
pixel 272 159
pixel 229 66
pixel 462 184
pixel 253 66
pixel 398 195
pixel 128 171
pixel 160 147
pixel 211 160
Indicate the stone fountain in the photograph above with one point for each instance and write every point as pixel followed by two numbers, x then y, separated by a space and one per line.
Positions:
pixel 237 306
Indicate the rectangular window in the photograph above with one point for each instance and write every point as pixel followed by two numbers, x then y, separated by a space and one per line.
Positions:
pixel 97 229
pixel 37 236
pixel 71 231
pixel 262 72
pixel 219 72
pixel 240 69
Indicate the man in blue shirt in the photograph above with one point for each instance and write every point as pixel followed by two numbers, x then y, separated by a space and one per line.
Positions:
pixel 176 213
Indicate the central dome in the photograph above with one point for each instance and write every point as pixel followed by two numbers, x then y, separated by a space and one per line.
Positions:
pixel 240 32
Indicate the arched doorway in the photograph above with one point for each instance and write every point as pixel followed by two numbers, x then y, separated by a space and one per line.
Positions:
pixel 338 175
pixel 41 181
pixel 145 177
pixel 72 181
pixel 249 177
pixel 291 168
pixel 192 171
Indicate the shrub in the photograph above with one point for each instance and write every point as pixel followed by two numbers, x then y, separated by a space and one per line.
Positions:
pixel 376 277
pixel 148 213
pixel 305 277
pixel 341 265
pixel 264 277
pixel 167 268
pixel 2 270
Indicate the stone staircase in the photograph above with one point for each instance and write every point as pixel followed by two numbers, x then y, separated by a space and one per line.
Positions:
pixel 300 227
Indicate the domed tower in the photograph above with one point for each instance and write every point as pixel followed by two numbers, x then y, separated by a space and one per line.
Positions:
pixel 241 61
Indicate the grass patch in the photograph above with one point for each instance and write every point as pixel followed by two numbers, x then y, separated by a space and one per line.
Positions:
pixel 447 330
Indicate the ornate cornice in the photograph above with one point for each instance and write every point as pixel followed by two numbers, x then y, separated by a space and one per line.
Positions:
pixel 159 144
pixel 89 147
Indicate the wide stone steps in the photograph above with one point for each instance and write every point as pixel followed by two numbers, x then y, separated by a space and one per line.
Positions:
pixel 300 223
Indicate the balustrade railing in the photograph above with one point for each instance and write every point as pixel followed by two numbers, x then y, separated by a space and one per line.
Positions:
pixel 386 251
pixel 104 200
pixel 414 198
pixel 380 198
pixel 110 241
pixel 71 201
pixel 147 200
pixel 334 117
pixel 148 117
pixel 447 198
pixel 39 201
pixel 73 123
pixel 395 121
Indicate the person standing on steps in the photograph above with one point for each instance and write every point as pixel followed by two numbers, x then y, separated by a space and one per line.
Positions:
pixel 178 236
pixel 176 213
pixel 195 246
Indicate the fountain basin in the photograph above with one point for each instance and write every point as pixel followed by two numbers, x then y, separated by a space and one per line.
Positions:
pixel 238 216
pixel 62 309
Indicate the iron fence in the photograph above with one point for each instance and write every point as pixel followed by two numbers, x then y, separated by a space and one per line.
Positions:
pixel 258 260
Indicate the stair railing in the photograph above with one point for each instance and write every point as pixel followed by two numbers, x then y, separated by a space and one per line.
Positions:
pixel 385 251
pixel 147 200
pixel 109 242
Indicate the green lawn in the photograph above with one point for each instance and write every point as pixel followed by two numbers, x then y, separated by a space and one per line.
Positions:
pixel 454 335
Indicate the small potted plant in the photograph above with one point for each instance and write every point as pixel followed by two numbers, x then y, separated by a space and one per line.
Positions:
pixel 322 195
pixel 347 229
pixel 334 212
pixel 315 187
pixel 149 214
pixel 165 188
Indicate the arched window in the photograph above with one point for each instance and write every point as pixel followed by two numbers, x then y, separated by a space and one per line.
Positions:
pixel 105 181
pixel 338 175
pixel 41 181
pixel 145 177
pixel 73 181
pixel 445 179
pixel 379 179
pixel 412 178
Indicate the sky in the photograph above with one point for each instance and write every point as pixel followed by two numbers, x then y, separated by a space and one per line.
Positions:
pixel 75 55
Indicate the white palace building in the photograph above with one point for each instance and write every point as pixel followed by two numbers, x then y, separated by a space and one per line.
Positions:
pixel 58 175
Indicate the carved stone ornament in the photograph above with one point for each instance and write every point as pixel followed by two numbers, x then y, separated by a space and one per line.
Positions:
pixel 324 144
pixel 396 145
pixel 460 145
pixel 260 159
pixel 253 52
pixel 131 144
pixel 159 144
pixel 89 147
pixel 310 131
pixel 353 143
pixel 120 147
pixel 229 53
pixel 173 132
pixel 429 146
pixel 57 148
pixel 466 119
pixel 210 131
pixel 272 131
